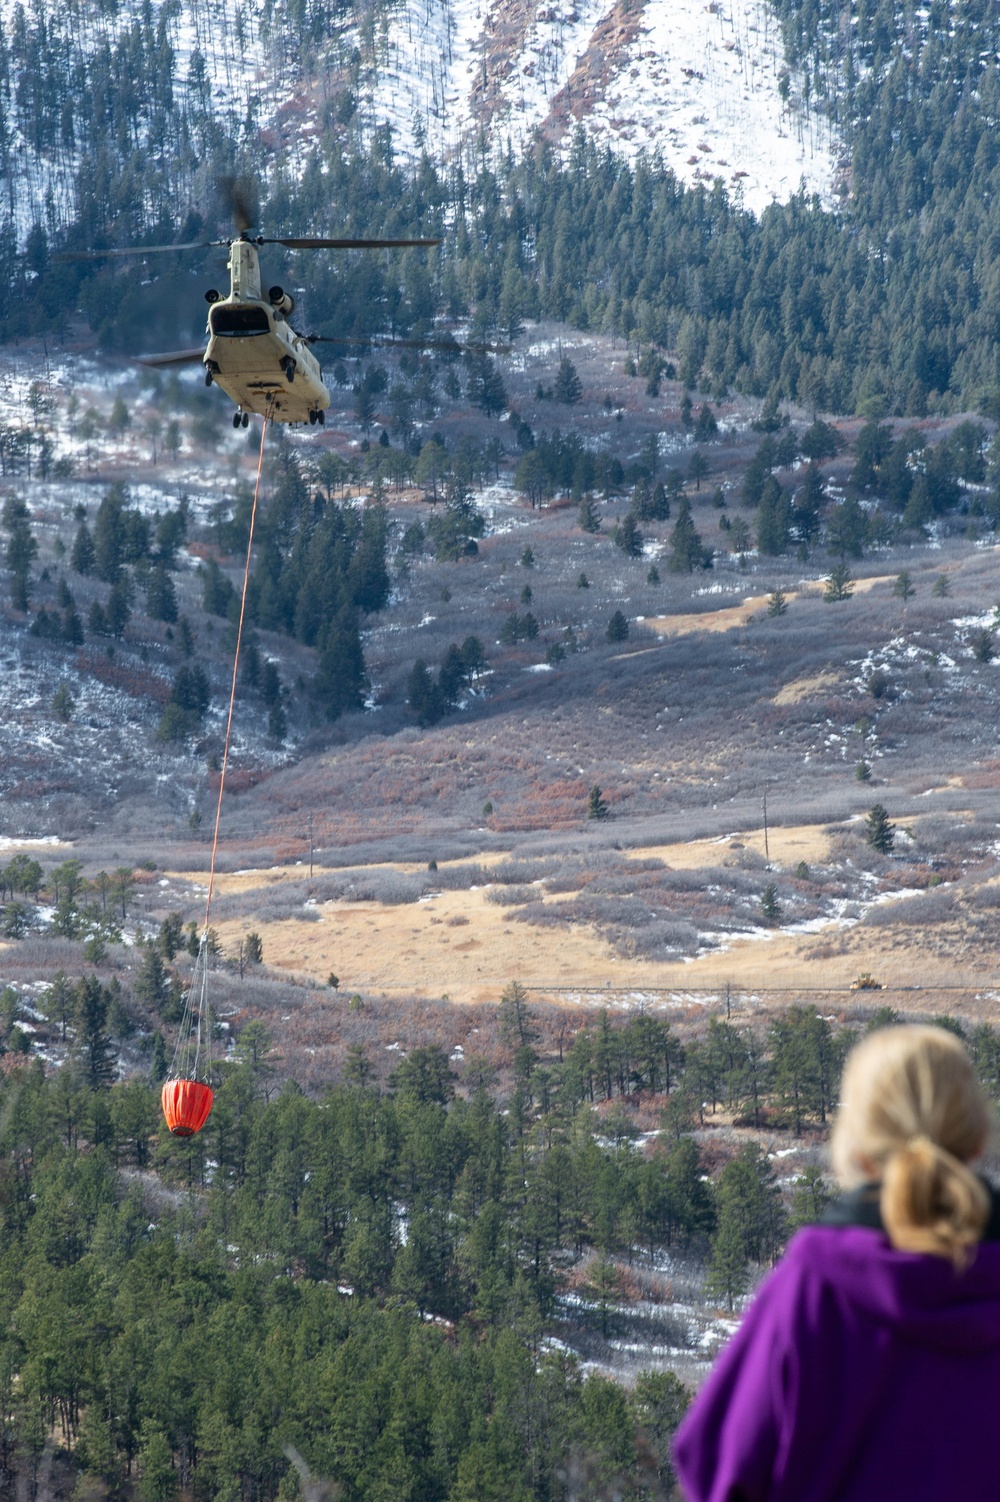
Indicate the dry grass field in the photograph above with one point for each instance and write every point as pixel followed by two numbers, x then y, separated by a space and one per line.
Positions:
pixel 463 945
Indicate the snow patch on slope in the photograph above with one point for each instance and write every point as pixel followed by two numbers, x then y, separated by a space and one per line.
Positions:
pixel 553 46
pixel 698 85
pixel 425 74
pixel 700 88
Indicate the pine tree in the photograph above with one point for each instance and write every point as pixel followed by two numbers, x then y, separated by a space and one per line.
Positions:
pixel 72 628
pixel 158 1060
pixel 627 536
pixel 903 586
pixel 82 556
pixel 777 603
pixel 119 608
pixel 686 550
pixel 773 519
pixel 617 628
pixel 22 550
pixel 706 427
pixel 109 538
pixel 58 1002
pixel 879 833
pixel 516 1029
pixel 94 1052
pixel 697 469
pixel 277 722
pixel 171 936
pixel 485 386
pixel 810 1197
pixel 150 986
pixel 839 586
pixel 364 407
pixel 589 519
pixel 217 593
pixel 983 645
pixel 423 695
pixel 567 387
pixel 728 1276
pixel 161 597
pixel 770 907
pixel 156 1465
pixel 809 503
pixel 847 529
pixel 597 808
pixel 121 419
pixel 340 680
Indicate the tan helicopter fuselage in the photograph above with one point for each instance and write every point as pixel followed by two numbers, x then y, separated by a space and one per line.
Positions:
pixel 253 352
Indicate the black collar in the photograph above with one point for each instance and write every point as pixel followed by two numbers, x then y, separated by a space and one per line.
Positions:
pixel 860 1207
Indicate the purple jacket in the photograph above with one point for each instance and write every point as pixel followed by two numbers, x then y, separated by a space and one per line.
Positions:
pixel 860 1374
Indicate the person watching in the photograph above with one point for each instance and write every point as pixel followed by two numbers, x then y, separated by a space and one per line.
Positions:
pixel 867 1368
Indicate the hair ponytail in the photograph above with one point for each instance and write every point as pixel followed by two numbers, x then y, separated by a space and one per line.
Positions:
pixel 933 1203
pixel 913 1114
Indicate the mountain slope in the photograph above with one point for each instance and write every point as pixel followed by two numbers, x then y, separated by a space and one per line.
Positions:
pixel 703 87
pixel 698 85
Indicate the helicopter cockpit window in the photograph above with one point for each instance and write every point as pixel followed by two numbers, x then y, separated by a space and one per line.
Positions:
pixel 239 323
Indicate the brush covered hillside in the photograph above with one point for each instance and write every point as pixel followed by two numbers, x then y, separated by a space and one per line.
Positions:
pixel 553 605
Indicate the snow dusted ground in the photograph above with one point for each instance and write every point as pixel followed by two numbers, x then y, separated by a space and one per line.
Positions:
pixel 700 87
pixel 697 85
pixel 243 76
pixel 427 64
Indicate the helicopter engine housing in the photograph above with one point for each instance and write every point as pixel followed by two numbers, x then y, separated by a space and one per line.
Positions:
pixel 281 301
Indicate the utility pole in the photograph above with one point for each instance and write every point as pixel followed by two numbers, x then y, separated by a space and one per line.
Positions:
pixel 310 846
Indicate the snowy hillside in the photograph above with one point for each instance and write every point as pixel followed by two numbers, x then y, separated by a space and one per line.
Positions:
pixel 701 85
pixel 202 53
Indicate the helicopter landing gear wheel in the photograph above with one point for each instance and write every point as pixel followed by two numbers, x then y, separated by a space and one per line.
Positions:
pixel 313 417
pixel 321 417
pixel 208 378
pixel 237 419
pixel 246 419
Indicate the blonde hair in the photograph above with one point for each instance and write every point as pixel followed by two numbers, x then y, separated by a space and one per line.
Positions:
pixel 913 1114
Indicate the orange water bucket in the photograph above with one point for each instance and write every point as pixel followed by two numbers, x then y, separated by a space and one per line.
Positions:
pixel 187 1105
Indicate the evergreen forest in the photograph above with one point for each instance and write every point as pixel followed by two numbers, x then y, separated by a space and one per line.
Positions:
pixel 366 1286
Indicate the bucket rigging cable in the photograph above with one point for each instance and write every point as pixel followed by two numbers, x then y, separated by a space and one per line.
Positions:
pixel 187 1096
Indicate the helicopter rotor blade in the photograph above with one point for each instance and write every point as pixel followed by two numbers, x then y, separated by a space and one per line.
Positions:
pixel 174 357
pixel 311 243
pixel 241 196
pixel 134 250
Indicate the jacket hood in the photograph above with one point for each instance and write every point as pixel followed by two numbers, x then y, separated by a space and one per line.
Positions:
pixel 922 1297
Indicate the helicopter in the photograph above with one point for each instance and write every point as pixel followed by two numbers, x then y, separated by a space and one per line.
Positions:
pixel 253 353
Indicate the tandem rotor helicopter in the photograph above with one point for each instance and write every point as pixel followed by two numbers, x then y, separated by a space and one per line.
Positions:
pixel 253 353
